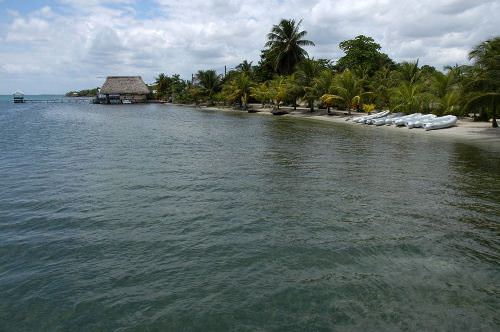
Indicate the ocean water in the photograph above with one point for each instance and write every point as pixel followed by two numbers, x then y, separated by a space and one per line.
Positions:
pixel 157 217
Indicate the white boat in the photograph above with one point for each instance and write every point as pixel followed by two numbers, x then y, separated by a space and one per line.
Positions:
pixel 401 121
pixel 367 119
pixel 392 120
pixel 441 122
pixel 126 101
pixel 419 121
pixel 381 121
pixel 364 118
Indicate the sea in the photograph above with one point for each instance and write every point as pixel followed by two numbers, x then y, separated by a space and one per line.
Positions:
pixel 174 218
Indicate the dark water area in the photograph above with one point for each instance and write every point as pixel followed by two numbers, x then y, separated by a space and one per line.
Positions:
pixel 167 218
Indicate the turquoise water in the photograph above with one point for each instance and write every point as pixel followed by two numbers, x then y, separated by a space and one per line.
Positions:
pixel 159 217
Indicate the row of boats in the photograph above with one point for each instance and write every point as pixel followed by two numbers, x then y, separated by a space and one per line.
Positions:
pixel 416 120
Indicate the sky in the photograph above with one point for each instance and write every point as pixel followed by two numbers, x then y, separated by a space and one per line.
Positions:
pixel 54 46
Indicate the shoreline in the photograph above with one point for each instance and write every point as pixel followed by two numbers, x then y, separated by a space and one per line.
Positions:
pixel 466 131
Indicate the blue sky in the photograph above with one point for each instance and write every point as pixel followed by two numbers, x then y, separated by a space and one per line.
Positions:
pixel 60 45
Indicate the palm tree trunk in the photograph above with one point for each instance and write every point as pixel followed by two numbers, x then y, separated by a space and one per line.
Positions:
pixel 295 104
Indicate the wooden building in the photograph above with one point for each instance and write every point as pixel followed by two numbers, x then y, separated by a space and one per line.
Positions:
pixel 123 90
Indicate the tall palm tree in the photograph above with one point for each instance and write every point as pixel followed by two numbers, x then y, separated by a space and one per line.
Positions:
pixel 347 89
pixel 486 80
pixel 210 81
pixel 285 43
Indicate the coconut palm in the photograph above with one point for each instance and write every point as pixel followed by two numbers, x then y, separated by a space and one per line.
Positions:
pixel 307 71
pixel 486 76
pixel 278 90
pixel 323 85
pixel 294 89
pixel 380 84
pixel 162 85
pixel 347 89
pixel 285 43
pixel 209 81
pixel 407 97
pixel 239 89
pixel 408 72
pixel 245 67
pixel 261 92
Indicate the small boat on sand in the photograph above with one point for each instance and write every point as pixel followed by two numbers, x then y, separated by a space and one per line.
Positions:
pixel 401 121
pixel 441 122
pixel 381 121
pixel 365 118
pixel 419 121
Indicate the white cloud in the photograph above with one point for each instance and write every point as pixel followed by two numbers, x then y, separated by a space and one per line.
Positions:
pixel 71 44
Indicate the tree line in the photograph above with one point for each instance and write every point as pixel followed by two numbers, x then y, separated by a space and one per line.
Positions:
pixel 364 78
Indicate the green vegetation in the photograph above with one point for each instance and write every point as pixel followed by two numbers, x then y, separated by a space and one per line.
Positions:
pixel 82 93
pixel 363 79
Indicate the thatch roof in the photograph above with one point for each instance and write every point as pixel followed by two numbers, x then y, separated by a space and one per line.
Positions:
pixel 124 85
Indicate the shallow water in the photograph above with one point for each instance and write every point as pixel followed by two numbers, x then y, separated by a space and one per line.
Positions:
pixel 172 218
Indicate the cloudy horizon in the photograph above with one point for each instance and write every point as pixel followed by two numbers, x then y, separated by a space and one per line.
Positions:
pixel 60 45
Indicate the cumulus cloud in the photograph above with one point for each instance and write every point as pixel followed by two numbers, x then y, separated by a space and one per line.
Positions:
pixel 72 44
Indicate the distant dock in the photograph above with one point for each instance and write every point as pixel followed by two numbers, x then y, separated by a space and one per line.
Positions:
pixel 56 101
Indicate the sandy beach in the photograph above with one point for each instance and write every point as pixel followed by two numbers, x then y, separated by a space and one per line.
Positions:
pixel 466 130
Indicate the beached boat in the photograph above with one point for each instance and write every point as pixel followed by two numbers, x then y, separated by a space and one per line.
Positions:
pixel 390 121
pixel 418 121
pixel 401 121
pixel 441 122
pixel 381 121
pixel 364 119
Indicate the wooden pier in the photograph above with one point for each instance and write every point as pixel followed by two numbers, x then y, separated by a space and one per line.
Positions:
pixel 60 100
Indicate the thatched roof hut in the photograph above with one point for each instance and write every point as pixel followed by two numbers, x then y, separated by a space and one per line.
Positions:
pixel 124 85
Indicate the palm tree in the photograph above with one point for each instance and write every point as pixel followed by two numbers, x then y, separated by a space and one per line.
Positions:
pixel 278 90
pixel 445 89
pixel 285 43
pixel 261 92
pixel 162 85
pixel 245 67
pixel 294 89
pixel 322 85
pixel 347 89
pixel 486 78
pixel 210 81
pixel 408 72
pixel 307 71
pixel 407 97
pixel 238 89
pixel 380 84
